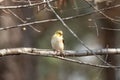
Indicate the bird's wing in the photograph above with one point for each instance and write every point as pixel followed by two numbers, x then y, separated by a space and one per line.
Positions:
pixel 63 41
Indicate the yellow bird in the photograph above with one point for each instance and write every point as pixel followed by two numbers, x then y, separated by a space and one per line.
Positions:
pixel 57 41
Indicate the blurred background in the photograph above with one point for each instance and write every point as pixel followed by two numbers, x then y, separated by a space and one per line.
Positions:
pixel 94 29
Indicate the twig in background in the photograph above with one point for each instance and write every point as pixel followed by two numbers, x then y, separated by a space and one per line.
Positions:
pixel 112 29
pixel 52 20
pixel 29 2
pixel 23 20
pixel 85 63
pixel 43 21
pixel 97 29
pixel 23 1
pixel 101 12
pixel 23 6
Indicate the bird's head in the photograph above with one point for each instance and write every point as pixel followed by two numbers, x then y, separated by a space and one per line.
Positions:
pixel 59 33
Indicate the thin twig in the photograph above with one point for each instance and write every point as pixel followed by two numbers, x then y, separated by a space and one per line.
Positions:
pixel 97 29
pixel 43 21
pixel 36 3
pixel 29 2
pixel 51 20
pixel 23 1
pixel 23 6
pixel 108 17
pixel 23 20
pixel 112 29
pixel 85 63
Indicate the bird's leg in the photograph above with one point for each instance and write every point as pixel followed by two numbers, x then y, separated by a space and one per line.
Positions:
pixel 56 52
pixel 62 54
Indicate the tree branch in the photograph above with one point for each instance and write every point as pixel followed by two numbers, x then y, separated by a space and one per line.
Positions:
pixel 42 21
pixel 85 63
pixel 53 20
pixel 49 52
pixel 105 15
pixel 67 53
pixel 23 6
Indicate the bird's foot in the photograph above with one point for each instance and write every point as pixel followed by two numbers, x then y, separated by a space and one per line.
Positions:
pixel 62 54
pixel 58 53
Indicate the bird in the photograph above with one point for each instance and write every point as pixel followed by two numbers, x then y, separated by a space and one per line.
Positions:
pixel 57 41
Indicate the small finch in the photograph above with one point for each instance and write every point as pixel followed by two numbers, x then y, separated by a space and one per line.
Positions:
pixel 57 41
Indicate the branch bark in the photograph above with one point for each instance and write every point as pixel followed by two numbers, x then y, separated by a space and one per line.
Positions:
pixel 49 52
pixel 67 53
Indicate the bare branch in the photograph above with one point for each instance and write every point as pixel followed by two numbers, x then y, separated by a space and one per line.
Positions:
pixel 23 6
pixel 49 52
pixel 23 1
pixel 67 53
pixel 108 17
pixel 85 63
pixel 42 21
pixel 23 20
pixel 29 2
pixel 112 29
pixel 53 20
